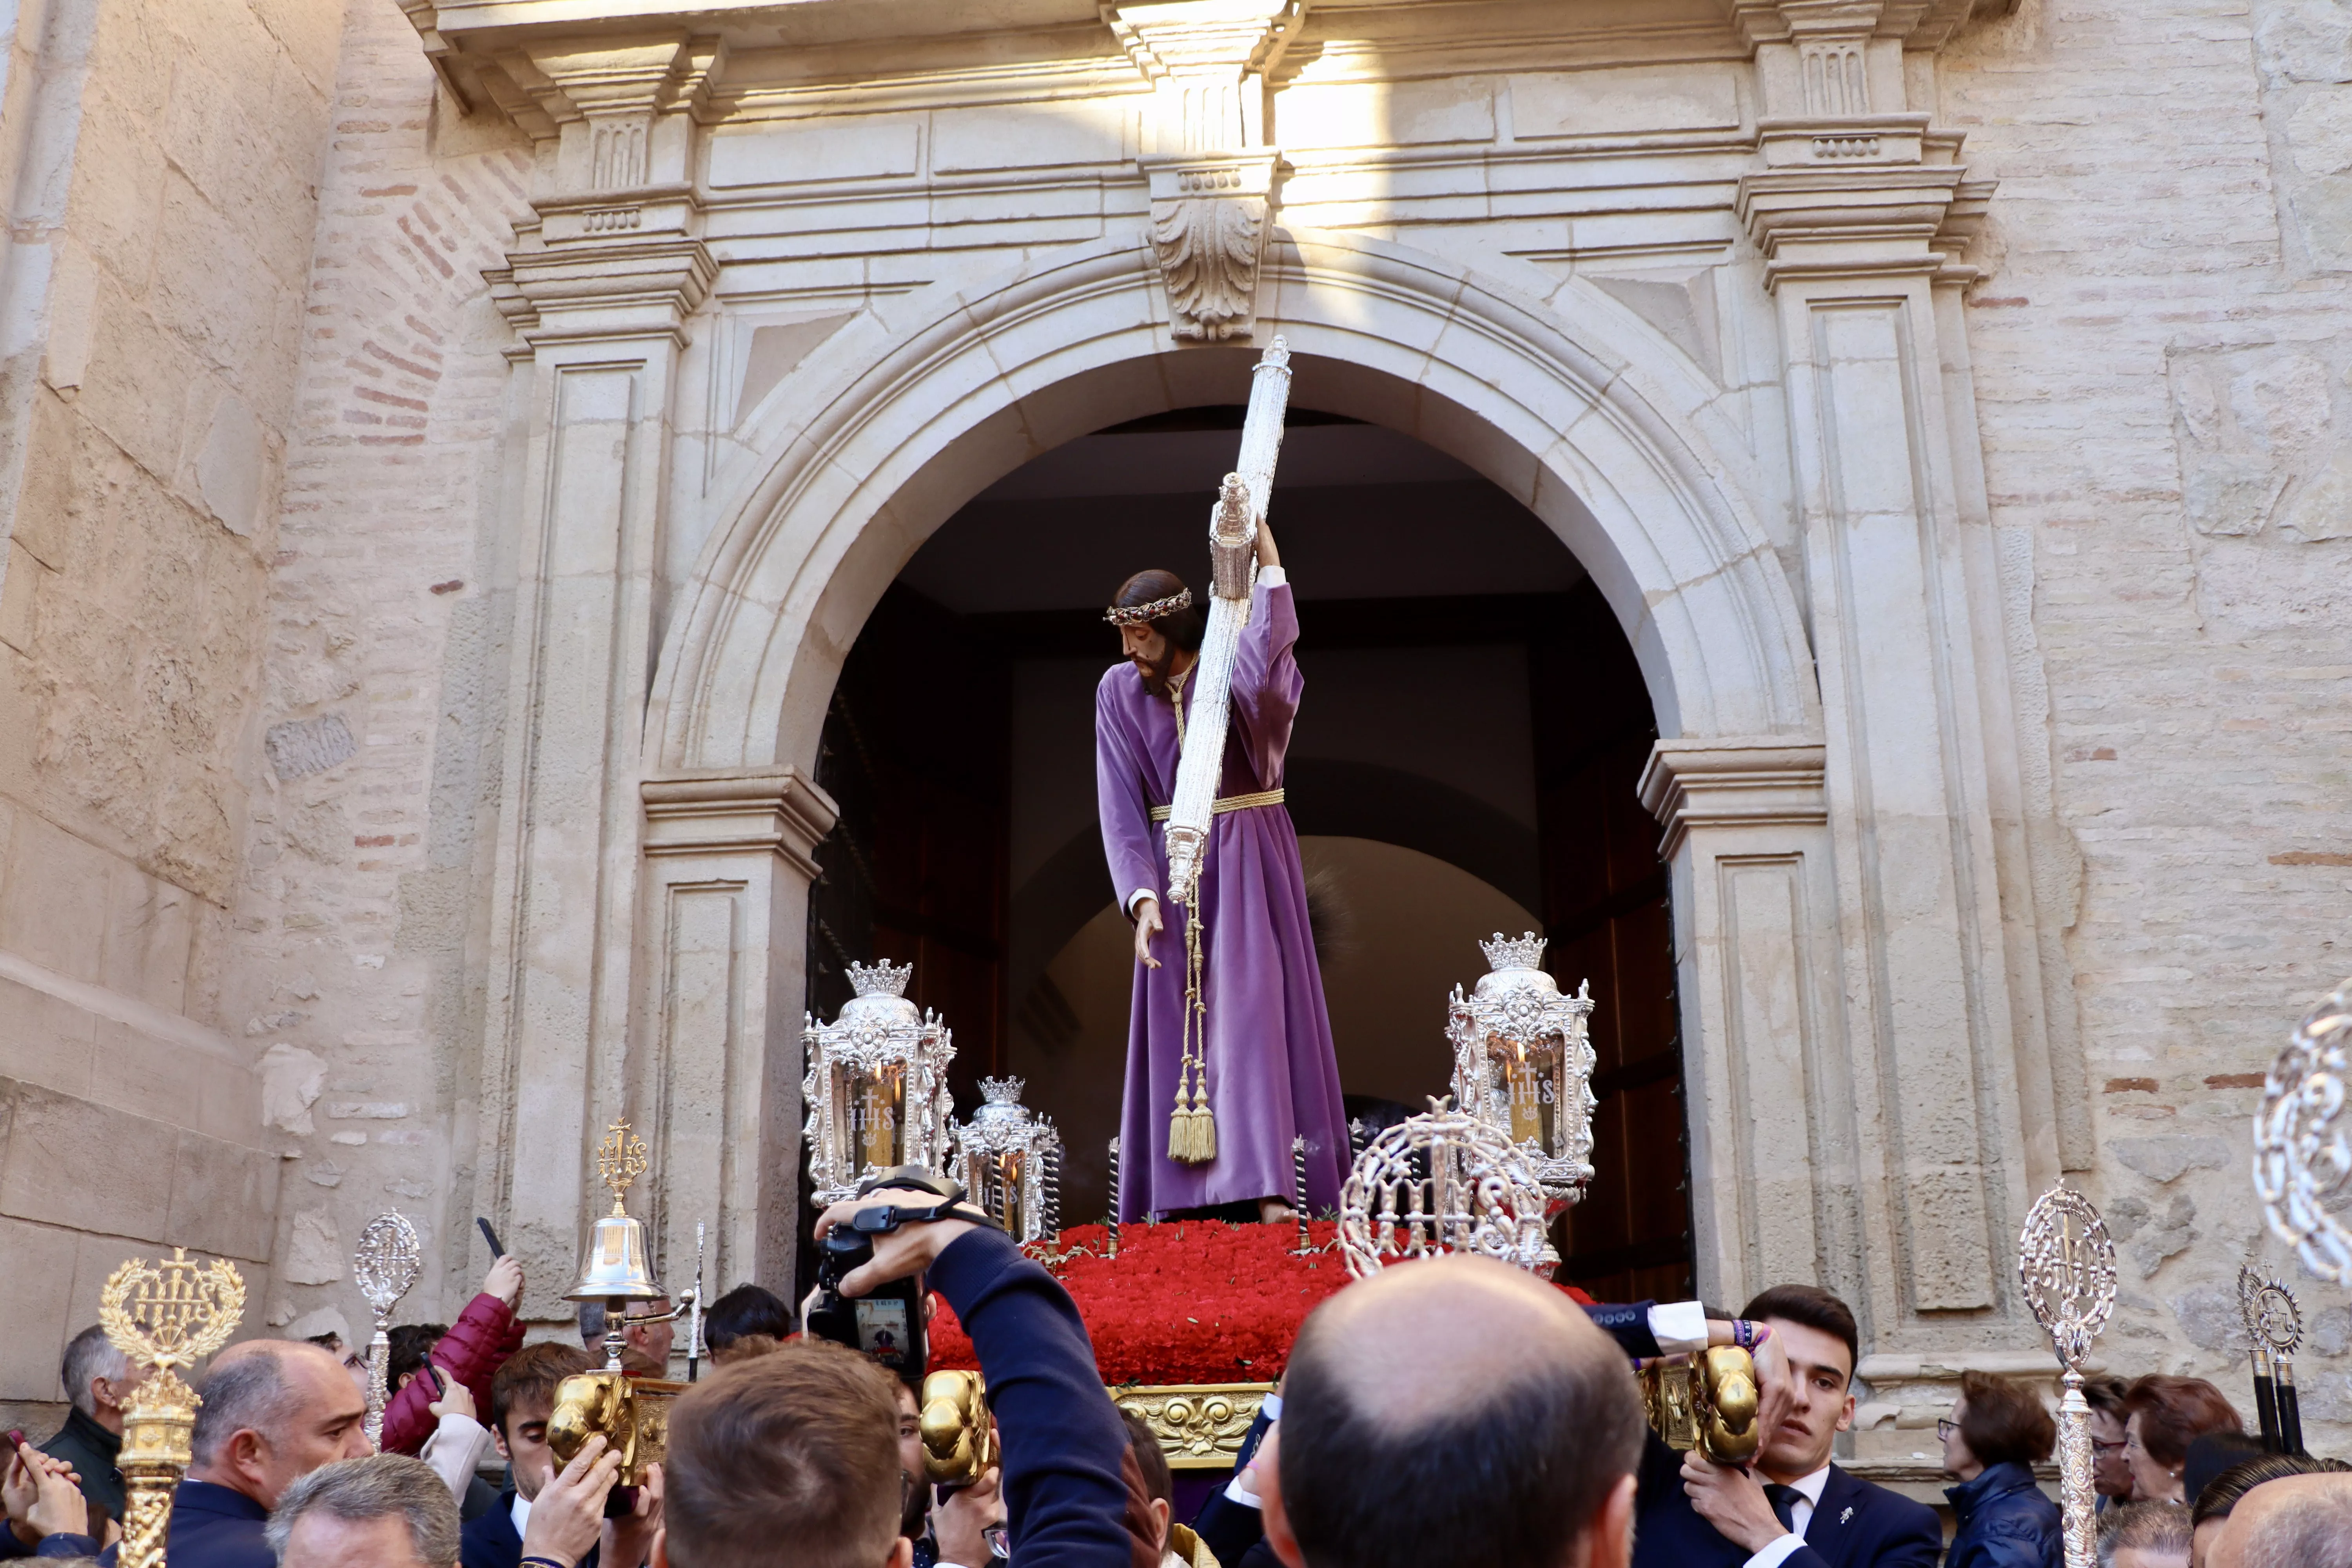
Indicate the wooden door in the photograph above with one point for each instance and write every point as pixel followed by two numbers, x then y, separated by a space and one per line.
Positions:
pixel 1606 912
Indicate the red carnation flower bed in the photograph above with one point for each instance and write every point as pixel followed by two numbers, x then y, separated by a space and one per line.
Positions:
pixel 1189 1301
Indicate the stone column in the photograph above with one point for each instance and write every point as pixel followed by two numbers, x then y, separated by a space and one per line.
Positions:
pixel 1769 1095
pixel 599 297
pixel 725 915
pixel 1858 210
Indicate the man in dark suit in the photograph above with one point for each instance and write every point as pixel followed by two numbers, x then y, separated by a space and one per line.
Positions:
pixel 1793 1508
pixel 522 1396
pixel 273 1411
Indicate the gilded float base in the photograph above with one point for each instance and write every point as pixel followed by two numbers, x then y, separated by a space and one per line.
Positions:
pixel 1200 1425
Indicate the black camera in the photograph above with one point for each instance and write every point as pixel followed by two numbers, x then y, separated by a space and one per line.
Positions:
pixel 887 1322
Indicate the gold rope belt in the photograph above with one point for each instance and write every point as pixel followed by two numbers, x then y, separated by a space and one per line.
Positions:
pixel 1231 802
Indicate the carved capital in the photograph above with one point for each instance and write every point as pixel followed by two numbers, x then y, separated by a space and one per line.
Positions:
pixel 777 811
pixel 610 290
pixel 1208 228
pixel 1862 221
pixel 1734 782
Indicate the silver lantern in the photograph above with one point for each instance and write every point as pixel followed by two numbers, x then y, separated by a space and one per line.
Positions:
pixel 876 1088
pixel 1006 1158
pixel 1523 1063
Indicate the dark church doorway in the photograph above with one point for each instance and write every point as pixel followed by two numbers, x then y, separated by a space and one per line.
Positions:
pixel 1464 761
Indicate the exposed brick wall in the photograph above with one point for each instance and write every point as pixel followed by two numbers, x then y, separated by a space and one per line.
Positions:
pixel 361 876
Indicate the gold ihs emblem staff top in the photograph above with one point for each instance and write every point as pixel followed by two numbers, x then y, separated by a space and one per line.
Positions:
pixel 164 1317
pixel 620 1161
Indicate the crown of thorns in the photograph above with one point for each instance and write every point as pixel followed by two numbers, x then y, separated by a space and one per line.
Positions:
pixel 1137 614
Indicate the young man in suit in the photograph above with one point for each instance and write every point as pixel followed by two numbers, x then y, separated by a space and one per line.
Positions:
pixel 522 1396
pixel 1793 1508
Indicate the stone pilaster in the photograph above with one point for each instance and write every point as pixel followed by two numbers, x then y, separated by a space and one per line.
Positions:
pixel 717 1068
pixel 1854 208
pixel 1767 1085
pixel 599 294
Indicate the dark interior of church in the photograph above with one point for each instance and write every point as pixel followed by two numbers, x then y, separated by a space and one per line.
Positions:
pixel 1464 762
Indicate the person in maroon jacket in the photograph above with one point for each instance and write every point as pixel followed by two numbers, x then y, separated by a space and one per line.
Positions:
pixel 484 1335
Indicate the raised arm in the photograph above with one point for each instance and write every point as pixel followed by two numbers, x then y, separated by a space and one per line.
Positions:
pixel 1266 680
pixel 1064 1441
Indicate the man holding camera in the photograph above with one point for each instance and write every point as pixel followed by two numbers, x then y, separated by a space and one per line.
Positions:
pixel 795 1456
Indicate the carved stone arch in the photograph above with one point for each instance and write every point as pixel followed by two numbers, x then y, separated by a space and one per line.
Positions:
pixel 924 401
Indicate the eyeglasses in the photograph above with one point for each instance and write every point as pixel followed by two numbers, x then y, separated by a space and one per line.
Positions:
pixel 2117 1446
pixel 1945 1427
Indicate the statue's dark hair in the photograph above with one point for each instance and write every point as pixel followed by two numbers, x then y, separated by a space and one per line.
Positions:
pixel 1181 627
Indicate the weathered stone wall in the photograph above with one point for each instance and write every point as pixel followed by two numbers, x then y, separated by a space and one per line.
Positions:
pixel 382 677
pixel 164 184
pixel 2162 390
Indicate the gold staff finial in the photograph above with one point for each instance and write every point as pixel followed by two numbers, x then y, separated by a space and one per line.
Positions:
pixel 164 1316
pixel 620 1161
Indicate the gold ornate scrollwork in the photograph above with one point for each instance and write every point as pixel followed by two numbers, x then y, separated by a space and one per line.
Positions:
pixel 1200 1426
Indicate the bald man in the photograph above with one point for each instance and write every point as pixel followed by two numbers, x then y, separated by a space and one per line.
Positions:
pixel 1452 1411
pixel 273 1411
pixel 2296 1521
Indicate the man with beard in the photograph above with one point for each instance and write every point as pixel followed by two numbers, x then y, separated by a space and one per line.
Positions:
pixel 1265 1038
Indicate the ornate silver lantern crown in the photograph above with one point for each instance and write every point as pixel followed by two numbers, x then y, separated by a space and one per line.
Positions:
pixel 1445 1181
pixel 877 1084
pixel 1527 953
pixel 1011 1162
pixel 883 979
pixel 1523 1060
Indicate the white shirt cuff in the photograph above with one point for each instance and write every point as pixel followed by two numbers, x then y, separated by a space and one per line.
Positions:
pixel 1240 1491
pixel 454 1448
pixel 1679 1327
pixel 1271 1407
pixel 1272 577
pixel 1776 1552
pixel 1137 896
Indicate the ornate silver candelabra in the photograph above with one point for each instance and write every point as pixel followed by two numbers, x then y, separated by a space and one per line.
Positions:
pixel 2068 1266
pixel 2303 1143
pixel 1523 1062
pixel 878 1084
pixel 1445 1181
pixel 385 1264
pixel 1007 1155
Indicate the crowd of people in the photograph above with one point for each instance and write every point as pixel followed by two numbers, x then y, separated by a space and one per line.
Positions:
pixel 1449 1411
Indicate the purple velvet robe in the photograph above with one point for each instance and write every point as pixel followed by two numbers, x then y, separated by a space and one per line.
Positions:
pixel 1271 1069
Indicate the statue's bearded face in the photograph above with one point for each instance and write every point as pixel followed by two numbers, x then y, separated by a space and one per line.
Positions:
pixel 1152 654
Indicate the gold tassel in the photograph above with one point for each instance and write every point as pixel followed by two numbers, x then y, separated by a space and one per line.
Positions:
pixel 1192 1129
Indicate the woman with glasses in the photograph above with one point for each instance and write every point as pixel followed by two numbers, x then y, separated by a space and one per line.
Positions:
pixel 1994 1438
pixel 2110 1476
pixel 2162 1416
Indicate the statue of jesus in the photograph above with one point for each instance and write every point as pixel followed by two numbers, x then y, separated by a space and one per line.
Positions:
pixel 1267 1044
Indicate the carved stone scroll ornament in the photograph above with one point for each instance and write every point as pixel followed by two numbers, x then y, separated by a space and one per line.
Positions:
pixel 2303 1139
pixel 1209 249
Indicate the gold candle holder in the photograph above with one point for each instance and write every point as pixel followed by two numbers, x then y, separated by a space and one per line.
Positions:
pixel 165 1317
